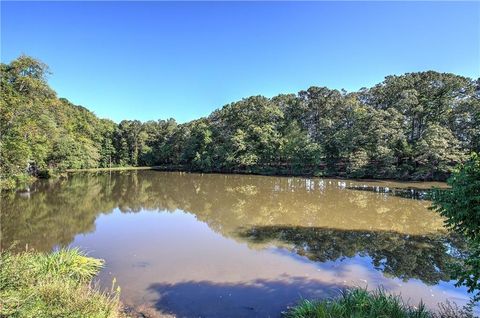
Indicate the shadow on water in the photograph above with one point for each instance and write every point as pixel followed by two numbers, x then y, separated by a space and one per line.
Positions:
pixel 407 193
pixel 423 257
pixel 258 298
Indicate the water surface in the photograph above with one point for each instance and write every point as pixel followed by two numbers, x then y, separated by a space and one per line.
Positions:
pixel 212 245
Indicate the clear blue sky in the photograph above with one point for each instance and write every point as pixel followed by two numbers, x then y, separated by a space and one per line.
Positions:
pixel 151 60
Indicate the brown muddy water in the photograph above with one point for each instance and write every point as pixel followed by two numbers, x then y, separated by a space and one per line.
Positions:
pixel 213 245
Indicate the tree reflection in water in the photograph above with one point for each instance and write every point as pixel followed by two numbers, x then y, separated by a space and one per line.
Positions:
pixel 398 255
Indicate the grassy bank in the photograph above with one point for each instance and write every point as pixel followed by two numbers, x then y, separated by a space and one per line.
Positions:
pixel 57 284
pixel 360 303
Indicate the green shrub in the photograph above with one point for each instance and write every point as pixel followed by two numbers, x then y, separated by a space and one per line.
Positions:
pixel 460 205
pixel 58 284
pixel 358 303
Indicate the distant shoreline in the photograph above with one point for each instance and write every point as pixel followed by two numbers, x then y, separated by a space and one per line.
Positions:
pixel 111 169
pixel 281 173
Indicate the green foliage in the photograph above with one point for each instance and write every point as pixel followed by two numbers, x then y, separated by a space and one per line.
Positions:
pixel 197 150
pixel 58 284
pixel 297 149
pixel 360 303
pixel 460 206
pixel 414 126
pixel 40 132
pixel 435 150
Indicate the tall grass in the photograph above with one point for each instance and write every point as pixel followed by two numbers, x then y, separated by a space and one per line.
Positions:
pixel 360 303
pixel 56 284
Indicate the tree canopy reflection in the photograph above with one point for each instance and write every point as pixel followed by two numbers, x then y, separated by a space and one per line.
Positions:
pixel 426 257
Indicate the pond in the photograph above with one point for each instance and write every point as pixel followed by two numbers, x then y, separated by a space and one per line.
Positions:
pixel 214 245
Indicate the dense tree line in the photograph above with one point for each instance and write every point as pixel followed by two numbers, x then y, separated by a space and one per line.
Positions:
pixel 414 126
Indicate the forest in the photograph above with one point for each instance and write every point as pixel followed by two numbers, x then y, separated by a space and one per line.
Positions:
pixel 415 126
